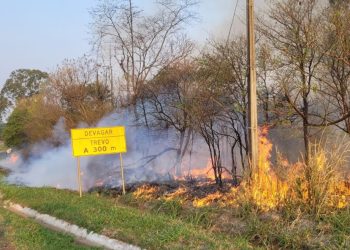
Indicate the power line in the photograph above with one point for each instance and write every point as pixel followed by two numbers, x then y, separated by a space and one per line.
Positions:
pixel 227 41
pixel 231 25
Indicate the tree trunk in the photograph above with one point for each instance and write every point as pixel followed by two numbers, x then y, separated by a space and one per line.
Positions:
pixel 178 154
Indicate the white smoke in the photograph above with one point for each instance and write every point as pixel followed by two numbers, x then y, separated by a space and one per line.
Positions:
pixel 151 157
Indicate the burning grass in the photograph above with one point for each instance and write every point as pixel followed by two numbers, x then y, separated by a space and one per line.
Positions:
pixel 288 227
pixel 287 206
pixel 164 216
pixel 282 206
pixel 316 188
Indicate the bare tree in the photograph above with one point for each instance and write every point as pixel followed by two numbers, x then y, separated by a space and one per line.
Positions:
pixel 293 29
pixel 142 44
pixel 272 102
pixel 205 111
pixel 335 86
pixel 221 115
pixel 167 98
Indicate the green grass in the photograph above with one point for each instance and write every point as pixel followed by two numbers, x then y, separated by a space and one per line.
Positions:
pixel 131 225
pixel 19 233
pixel 199 216
pixel 339 229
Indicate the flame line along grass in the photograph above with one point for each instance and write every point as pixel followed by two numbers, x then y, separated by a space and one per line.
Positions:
pixel 191 228
pixel 317 187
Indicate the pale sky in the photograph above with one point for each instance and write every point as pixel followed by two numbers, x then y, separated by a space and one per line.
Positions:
pixel 40 34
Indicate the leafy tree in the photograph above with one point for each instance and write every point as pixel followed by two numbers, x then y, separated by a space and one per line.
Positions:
pixel 31 121
pixel 14 131
pixel 42 115
pixel 21 83
pixel 75 88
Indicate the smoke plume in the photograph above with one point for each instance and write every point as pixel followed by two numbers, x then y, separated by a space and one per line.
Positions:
pixel 151 157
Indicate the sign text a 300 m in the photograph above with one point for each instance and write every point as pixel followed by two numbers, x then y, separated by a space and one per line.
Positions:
pixel 98 141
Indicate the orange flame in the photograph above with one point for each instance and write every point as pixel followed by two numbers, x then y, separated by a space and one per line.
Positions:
pixel 206 172
pixel 14 158
pixel 267 189
pixel 146 192
pixel 203 173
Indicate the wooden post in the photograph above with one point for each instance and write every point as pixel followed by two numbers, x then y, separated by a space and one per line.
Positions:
pixel 122 172
pixel 79 177
pixel 252 98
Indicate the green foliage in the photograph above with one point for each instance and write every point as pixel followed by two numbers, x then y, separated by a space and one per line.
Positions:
pixel 24 234
pixel 14 131
pixel 21 83
pixel 339 224
pixel 172 208
pixel 2 126
pixel 200 217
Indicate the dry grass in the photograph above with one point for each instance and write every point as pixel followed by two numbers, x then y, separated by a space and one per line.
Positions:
pixel 309 209
pixel 321 186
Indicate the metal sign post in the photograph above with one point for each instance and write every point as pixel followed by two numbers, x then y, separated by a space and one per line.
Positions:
pixel 79 177
pixel 122 172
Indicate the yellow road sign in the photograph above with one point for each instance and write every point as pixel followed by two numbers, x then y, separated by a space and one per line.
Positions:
pixel 98 141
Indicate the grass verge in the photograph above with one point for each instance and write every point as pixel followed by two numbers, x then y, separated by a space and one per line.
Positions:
pixel 283 228
pixel 171 224
pixel 131 225
pixel 22 234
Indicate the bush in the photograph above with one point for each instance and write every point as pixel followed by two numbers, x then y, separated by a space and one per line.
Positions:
pixel 14 132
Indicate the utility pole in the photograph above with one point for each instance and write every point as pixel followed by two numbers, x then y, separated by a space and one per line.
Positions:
pixel 252 97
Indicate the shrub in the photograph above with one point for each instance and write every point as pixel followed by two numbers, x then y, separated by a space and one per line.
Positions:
pixel 14 132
